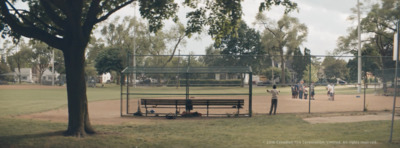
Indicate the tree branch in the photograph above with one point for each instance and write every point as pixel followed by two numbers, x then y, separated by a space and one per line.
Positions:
pixel 28 30
pixel 114 10
pixel 51 13
pixel 30 22
pixel 91 17
pixel 180 38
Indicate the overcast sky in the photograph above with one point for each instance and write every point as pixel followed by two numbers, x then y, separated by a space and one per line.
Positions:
pixel 326 21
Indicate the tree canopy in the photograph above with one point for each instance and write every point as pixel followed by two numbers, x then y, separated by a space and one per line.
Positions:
pixel 377 28
pixel 287 33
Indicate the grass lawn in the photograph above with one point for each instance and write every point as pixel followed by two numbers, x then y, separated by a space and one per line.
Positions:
pixel 282 130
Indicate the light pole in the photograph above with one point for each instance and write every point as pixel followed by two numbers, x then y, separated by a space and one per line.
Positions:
pixel 395 80
pixel 308 52
pixel 359 49
pixel 134 47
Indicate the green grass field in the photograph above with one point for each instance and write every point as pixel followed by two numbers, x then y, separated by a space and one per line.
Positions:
pixel 282 130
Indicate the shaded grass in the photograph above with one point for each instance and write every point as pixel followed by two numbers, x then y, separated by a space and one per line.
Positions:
pixel 17 101
pixel 258 131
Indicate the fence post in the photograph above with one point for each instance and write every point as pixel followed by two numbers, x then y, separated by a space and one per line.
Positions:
pixel 250 93
pixel 395 82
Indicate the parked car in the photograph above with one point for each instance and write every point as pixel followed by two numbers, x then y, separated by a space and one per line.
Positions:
pixel 342 82
pixel 261 83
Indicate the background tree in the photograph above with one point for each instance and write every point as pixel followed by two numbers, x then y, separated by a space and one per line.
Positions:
pixel 298 64
pixel 314 74
pixel 68 25
pixel 378 27
pixel 41 57
pixel 5 71
pixel 275 73
pixel 22 58
pixel 335 68
pixel 109 60
pixel 288 33
pixel 243 49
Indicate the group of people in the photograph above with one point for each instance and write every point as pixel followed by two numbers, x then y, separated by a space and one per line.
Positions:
pixel 299 90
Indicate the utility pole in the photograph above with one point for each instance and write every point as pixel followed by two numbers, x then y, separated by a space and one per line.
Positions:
pixel 307 53
pixel 395 42
pixel 134 48
pixel 359 49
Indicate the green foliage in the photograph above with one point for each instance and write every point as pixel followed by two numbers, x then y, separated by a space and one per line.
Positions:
pixel 298 63
pixel 288 33
pixel 59 62
pixel 370 63
pixel 241 50
pixel 109 60
pixel 277 73
pixel 157 11
pixel 378 26
pixel 4 70
pixel 42 55
pixel 223 17
pixel 314 74
pixel 209 82
pixel 21 59
pixel 335 68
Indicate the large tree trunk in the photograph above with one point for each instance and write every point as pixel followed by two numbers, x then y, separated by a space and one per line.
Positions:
pixel 78 115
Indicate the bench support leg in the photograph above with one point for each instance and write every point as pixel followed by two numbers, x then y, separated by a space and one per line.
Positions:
pixel 176 108
pixel 207 109
pixel 146 110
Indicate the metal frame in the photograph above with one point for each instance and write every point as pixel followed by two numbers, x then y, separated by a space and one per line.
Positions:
pixel 187 71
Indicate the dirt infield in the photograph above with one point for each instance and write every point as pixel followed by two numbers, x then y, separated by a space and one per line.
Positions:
pixel 108 112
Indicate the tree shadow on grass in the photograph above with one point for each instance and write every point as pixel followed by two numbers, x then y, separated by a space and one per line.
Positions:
pixel 9 141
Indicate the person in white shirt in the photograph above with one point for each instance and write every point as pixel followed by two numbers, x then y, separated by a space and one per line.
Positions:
pixel 274 99
pixel 332 92
pixel 328 93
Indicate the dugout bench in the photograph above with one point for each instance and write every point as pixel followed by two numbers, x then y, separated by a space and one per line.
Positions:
pixel 190 103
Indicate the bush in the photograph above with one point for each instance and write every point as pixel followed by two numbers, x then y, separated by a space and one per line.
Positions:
pixel 207 82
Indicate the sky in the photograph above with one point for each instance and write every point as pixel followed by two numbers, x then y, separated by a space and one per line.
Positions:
pixel 326 21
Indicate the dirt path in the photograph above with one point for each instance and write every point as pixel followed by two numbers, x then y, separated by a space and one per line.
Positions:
pixel 345 119
pixel 108 112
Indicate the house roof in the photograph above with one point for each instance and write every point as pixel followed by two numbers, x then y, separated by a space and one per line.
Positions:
pixel 24 71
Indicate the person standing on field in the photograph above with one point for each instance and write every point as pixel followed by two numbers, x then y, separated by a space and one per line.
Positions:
pixel 296 90
pixel 328 88
pixel 293 91
pixel 305 93
pixel 332 92
pixel 301 89
pixel 274 99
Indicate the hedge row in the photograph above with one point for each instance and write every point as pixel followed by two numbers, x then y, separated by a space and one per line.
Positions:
pixel 210 82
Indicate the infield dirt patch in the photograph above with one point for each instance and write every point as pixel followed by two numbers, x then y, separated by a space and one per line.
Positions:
pixel 108 112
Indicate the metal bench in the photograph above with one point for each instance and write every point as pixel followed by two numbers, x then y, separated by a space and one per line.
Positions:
pixel 188 104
